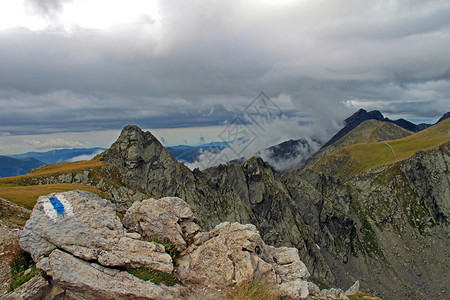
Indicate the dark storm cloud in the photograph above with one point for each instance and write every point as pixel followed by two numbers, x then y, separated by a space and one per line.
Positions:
pixel 204 62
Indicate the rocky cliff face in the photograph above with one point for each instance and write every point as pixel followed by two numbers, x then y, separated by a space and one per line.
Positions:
pixel 341 229
pixel 383 224
pixel 249 193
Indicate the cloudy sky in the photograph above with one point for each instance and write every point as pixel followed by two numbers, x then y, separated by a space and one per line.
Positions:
pixel 74 72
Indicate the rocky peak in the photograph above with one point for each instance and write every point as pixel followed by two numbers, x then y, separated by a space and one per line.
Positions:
pixel 444 117
pixel 352 122
pixel 135 147
pixel 145 163
pixel 362 115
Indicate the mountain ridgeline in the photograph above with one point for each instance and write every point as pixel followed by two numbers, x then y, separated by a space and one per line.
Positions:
pixel 375 213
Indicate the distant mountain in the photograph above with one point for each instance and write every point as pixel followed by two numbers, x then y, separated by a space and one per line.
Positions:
pixel 369 131
pixel 362 115
pixel 286 155
pixel 289 154
pixel 13 167
pixel 444 117
pixel 189 154
pixel 57 156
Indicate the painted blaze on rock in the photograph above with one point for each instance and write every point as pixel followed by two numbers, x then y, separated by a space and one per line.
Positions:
pixel 57 204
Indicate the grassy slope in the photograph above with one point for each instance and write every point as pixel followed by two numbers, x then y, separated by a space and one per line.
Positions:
pixel 372 131
pixel 15 189
pixel 358 158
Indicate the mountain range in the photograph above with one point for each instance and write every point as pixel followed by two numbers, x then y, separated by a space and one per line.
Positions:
pixel 288 154
pixel 60 155
pixel 282 157
pixel 19 164
pixel 374 205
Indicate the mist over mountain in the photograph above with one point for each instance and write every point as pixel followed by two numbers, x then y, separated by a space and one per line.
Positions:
pixel 290 153
pixel 189 154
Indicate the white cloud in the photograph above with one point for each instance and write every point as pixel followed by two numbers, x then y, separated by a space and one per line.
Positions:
pixel 85 156
pixel 54 143
pixel 253 138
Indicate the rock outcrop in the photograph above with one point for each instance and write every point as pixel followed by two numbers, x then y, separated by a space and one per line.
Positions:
pixel 229 254
pixel 168 219
pixel 77 239
pixel 232 253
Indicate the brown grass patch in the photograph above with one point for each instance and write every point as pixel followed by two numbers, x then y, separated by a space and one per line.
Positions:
pixel 48 170
pixel 26 196
pixel 253 290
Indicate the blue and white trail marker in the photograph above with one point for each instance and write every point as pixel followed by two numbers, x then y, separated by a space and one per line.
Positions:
pixel 57 205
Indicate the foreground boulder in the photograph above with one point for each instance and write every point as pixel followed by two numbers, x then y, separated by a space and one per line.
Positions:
pixel 229 254
pixel 78 240
pixel 232 253
pixel 168 219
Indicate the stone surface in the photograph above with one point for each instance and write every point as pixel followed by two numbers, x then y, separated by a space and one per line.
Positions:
pixel 84 280
pixel 169 219
pixel 232 253
pixel 353 289
pixel 83 246
pixel 36 288
pixel 93 232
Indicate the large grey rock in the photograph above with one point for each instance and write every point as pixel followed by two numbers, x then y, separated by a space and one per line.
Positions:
pixel 232 253
pixel 169 219
pixel 89 229
pixel 96 247
pixel 84 280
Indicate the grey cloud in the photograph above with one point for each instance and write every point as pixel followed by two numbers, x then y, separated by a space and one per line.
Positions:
pixel 209 60
pixel 54 143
